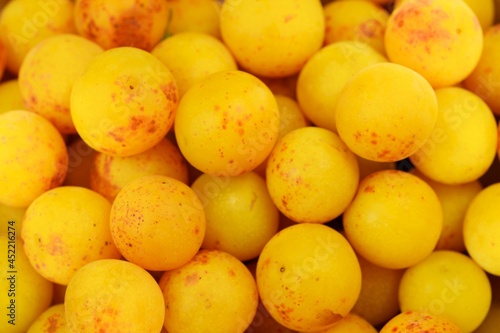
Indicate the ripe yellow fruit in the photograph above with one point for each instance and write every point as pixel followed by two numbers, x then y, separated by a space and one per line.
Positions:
pixel 395 219
pixel 481 229
pixel 33 159
pixel 294 277
pixel 157 222
pixel 10 96
pixel 386 112
pixel 350 324
pixel 484 79
pixel 463 143
pixel 278 44
pixel 455 199
pixel 47 75
pixel 213 290
pixel 378 300
pixel 448 284
pixel 227 124
pixel 124 102
pixel 192 56
pixel 66 228
pixel 25 293
pixel 326 73
pixel 113 295
pixel 25 23
pixel 417 322
pixel 311 175
pixel 440 39
pixel 109 174
pixel 240 215
pixel 193 16
pixel 356 20
pixel 51 320
pixel 111 24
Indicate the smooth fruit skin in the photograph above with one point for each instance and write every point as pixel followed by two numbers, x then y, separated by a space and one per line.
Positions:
pixel 114 296
pixel 447 284
pixel 418 322
pixel 316 186
pixel 47 75
pixel 278 44
pixel 357 20
pixel 484 79
pixel 240 215
pixel 308 277
pixel 227 124
pixel 136 23
pixel 378 300
pixel 124 103
pixel 326 73
pixel 481 229
pixel 157 222
pixel 192 56
pixel 442 47
pixel 109 174
pixel 350 324
pixel 463 142
pixel 395 219
pixel 33 159
pixel 386 112
pixel 66 228
pixel 25 23
pixel 213 290
pixel 52 320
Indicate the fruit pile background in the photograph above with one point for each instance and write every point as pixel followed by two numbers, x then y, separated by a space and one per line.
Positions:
pixel 249 166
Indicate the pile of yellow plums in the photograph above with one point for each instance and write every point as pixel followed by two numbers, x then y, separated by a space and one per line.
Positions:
pixel 230 166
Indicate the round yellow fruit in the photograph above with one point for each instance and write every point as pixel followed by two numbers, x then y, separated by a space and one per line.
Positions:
pixel 463 142
pixel 66 228
pixel 140 24
pixel 484 79
pixel 113 295
pixel 481 229
pixel 356 20
pixel 442 39
pixel 109 174
pixel 326 73
pixel 378 300
pixel 278 44
pixel 352 323
pixel 394 220
pixel 417 322
pixel 124 102
pixel 227 124
pixel 33 159
pixel 311 175
pixel 192 56
pixel 447 284
pixel 25 23
pixel 455 199
pixel 47 74
pixel 386 112
pixel 51 320
pixel 193 16
pixel 240 215
pixel 213 290
pixel 25 294
pixel 157 222
pixel 294 277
